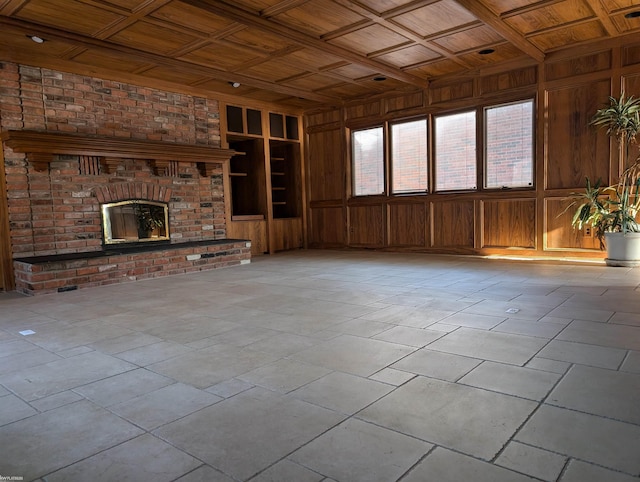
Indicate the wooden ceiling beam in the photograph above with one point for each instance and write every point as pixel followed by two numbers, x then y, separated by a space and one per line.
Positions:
pixel 236 14
pixel 281 7
pixel 511 35
pixel 604 18
pixel 24 28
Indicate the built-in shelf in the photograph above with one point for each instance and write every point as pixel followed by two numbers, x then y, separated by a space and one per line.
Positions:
pixel 284 159
pixel 247 176
pixel 273 182
pixel 248 217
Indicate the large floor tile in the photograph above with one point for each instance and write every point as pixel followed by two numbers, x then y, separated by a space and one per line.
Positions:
pixel 123 387
pixel 210 366
pixel 142 458
pixel 13 346
pixel 578 471
pixel 77 335
pixel 511 380
pixel 357 451
pixel 469 420
pixel 603 334
pixel 608 393
pixel 190 327
pixel 164 405
pixel 205 474
pixel 408 315
pixel 583 354
pixel 26 359
pixel 111 346
pixel 284 344
pixel 473 320
pixel 446 466
pixel 245 434
pixel 60 375
pixel 284 375
pixel 632 362
pixel 532 461
pixel 55 401
pixel 342 392
pixel 407 335
pixel 499 347
pixel 392 376
pixel 605 442
pixel 153 353
pixel 52 440
pixel 435 364
pixel 361 327
pixel 578 311
pixel 12 409
pixel 530 328
pixel 352 354
pixel 507 309
pixel 286 470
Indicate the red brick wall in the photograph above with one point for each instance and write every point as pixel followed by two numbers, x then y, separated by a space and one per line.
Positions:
pixel 56 211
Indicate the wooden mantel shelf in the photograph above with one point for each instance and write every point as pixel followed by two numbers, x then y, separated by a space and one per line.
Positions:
pixel 41 147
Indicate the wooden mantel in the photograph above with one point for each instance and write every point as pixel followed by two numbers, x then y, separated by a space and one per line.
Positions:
pixel 41 147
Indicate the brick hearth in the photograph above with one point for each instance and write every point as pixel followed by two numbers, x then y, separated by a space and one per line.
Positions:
pixel 48 274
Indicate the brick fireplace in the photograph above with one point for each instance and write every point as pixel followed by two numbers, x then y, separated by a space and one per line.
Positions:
pixel 72 143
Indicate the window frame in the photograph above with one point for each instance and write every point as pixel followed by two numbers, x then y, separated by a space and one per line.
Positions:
pixel 478 169
pixel 427 159
pixel 385 176
pixel 484 160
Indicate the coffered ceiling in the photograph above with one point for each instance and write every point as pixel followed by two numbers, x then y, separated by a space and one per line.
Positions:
pixel 301 53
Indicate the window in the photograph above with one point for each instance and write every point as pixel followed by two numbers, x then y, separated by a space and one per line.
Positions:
pixel 509 145
pixel 368 161
pixel 455 151
pixel 409 157
pixel 401 150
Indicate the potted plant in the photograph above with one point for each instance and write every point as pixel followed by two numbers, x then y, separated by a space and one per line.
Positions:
pixel 149 218
pixel 613 210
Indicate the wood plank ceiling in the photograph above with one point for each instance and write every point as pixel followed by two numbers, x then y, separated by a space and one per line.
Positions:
pixel 301 53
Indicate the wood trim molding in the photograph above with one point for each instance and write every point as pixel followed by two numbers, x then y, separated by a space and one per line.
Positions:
pixel 41 147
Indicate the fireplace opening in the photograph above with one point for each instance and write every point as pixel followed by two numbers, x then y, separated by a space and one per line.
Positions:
pixel 135 221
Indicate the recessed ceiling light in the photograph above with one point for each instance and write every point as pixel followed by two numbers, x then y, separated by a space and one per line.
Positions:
pixel 235 85
pixel 380 78
pixel 486 51
pixel 634 14
pixel 36 39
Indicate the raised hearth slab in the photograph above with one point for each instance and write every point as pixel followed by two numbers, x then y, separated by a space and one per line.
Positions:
pixel 71 271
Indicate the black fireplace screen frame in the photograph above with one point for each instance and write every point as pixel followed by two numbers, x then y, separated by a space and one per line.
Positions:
pixel 135 221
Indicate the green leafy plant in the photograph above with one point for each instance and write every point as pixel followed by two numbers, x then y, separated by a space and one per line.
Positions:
pixel 614 208
pixel 149 217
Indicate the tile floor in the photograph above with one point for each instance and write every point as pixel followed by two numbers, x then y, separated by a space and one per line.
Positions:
pixel 329 366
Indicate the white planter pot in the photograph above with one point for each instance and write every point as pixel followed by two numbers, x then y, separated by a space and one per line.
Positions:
pixel 623 249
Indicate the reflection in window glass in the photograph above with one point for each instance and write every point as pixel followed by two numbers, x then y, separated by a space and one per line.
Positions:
pixel 409 156
pixel 368 161
pixel 455 151
pixel 509 145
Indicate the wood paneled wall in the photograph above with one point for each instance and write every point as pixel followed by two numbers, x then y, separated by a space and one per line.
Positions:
pixel 568 87
pixel 6 260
